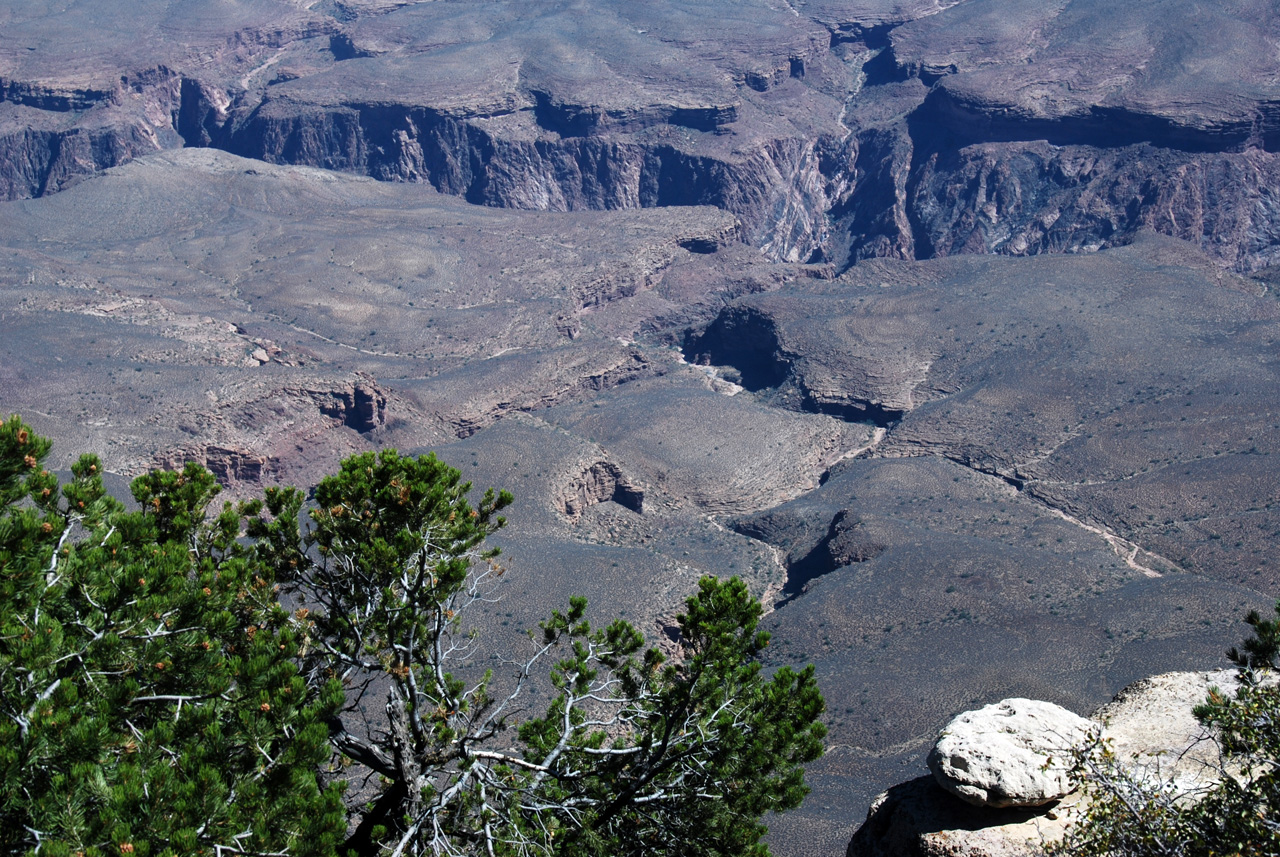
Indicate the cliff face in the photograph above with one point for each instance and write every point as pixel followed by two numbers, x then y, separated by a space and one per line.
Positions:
pixel 85 89
pixel 777 189
pixel 1028 198
pixel 1077 484
pixel 43 149
pixel 906 130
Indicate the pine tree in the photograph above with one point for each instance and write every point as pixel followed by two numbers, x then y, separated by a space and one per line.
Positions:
pixel 680 758
pixel 156 698
pixel 633 756
pixel 149 701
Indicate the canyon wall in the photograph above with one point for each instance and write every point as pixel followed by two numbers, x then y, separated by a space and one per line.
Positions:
pixel 896 130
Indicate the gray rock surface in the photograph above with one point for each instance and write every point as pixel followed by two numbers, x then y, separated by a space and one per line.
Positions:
pixel 1012 753
pixel 1153 729
pixel 1097 71
pixel 1073 384
pixel 918 819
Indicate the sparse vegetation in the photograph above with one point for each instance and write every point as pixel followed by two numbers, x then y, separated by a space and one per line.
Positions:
pixel 1135 812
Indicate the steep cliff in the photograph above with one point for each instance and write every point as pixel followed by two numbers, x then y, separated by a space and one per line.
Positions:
pixel 835 132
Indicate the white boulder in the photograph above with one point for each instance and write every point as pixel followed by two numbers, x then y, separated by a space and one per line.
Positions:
pixel 1014 753
pixel 1152 729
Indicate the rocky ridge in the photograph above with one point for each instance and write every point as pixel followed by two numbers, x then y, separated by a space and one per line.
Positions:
pixel 833 131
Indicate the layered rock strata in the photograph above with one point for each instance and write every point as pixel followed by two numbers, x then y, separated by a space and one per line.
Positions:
pixel 835 132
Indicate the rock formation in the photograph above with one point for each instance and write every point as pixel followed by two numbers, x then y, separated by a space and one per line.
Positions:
pixel 599 482
pixel 834 131
pixel 919 819
pixel 1012 753
pixel 1150 726
pixel 360 406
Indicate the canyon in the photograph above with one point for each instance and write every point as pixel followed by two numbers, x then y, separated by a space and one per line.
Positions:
pixel 834 131
pixel 949 326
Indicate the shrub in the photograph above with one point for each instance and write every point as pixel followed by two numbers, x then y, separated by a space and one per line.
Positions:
pixel 1132 814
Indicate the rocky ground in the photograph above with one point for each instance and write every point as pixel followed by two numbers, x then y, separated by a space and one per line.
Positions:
pixel 712 288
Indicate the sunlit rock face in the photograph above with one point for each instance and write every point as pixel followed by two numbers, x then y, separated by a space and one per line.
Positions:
pixel 1012 753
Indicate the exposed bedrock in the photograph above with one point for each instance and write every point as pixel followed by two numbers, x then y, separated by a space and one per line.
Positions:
pixel 848 540
pixel 35 162
pixel 747 340
pixel 1153 731
pixel 914 189
pixel 967 113
pixel 931 186
pixel 1130 391
pixel 869 217
pixel 748 337
pixel 695 448
pixel 360 406
pixel 53 137
pixel 882 192
pixel 834 131
pixel 1027 198
pixel 599 482
pixel 230 466
pixel 779 190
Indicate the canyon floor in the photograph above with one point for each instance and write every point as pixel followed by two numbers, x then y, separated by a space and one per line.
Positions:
pixel 949 326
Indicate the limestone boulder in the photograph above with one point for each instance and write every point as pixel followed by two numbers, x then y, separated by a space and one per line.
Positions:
pixel 1013 753
pixel 1152 728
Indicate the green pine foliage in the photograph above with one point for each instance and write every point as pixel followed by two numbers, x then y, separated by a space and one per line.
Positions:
pixel 150 700
pixel 157 699
pixel 701 748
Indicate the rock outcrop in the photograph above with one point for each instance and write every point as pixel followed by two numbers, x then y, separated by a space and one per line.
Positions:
pixel 359 405
pixel 1033 377
pixel 1013 753
pixel 599 482
pixel 919 819
pixel 1069 475
pixel 231 467
pixel 1151 728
